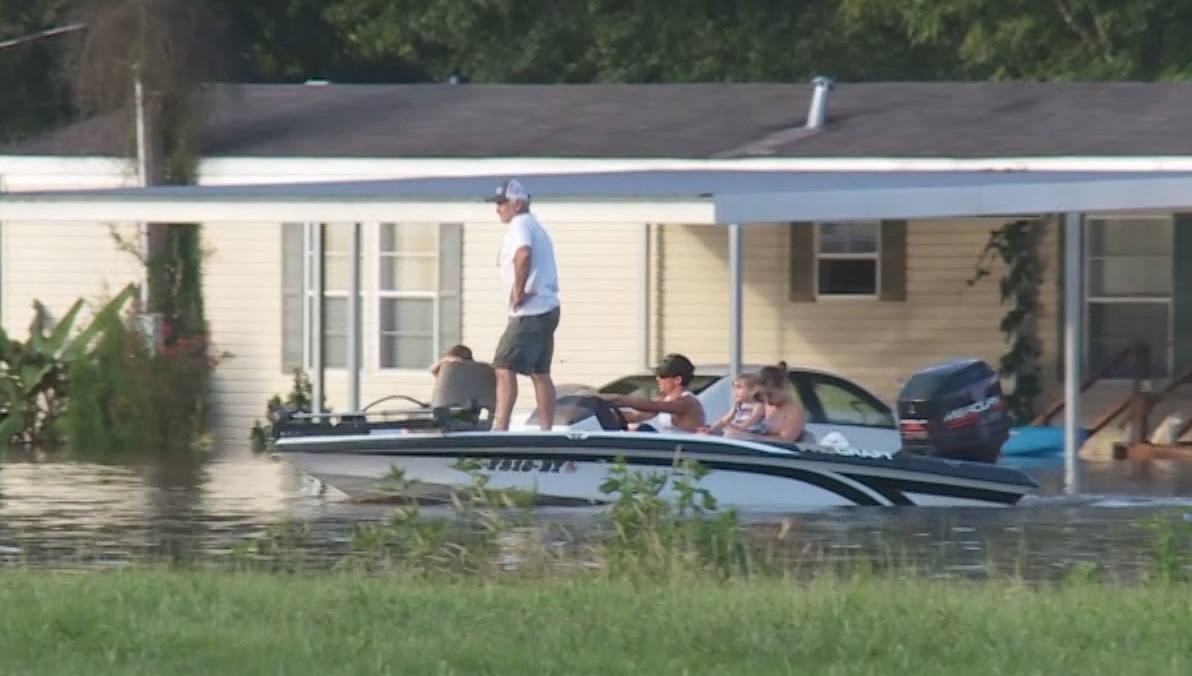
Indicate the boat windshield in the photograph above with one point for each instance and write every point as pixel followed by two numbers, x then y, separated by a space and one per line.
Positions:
pixel 645 385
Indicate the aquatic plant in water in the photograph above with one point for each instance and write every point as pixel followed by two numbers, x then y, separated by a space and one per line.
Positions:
pixel 300 399
pixel 132 396
pixel 35 378
pixel 494 532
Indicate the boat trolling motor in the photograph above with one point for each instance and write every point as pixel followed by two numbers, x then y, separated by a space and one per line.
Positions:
pixel 955 410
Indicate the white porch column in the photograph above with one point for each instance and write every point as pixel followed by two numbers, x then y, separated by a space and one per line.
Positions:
pixel 736 277
pixel 317 328
pixel 354 328
pixel 1073 324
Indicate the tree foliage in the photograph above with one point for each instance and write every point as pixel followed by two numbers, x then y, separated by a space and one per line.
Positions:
pixel 31 99
pixel 1044 39
pixel 582 41
pixel 616 41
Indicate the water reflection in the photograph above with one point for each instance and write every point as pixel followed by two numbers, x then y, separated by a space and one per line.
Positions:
pixel 69 513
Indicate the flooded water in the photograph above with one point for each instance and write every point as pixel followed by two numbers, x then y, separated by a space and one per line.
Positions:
pixel 70 513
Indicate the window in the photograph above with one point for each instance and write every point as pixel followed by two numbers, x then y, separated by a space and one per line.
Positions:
pixel 337 285
pixel 795 389
pixel 846 259
pixel 1128 291
pixel 843 403
pixel 410 293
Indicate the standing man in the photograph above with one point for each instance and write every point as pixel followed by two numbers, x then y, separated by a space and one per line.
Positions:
pixel 530 282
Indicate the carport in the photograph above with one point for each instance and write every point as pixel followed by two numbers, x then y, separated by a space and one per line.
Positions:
pixel 722 197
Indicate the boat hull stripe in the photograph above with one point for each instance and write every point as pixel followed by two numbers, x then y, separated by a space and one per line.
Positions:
pixel 892 492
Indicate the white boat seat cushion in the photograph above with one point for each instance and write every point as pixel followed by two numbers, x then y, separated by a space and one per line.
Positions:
pixel 461 383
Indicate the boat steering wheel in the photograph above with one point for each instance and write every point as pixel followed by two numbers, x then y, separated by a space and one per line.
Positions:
pixel 622 421
pixel 597 407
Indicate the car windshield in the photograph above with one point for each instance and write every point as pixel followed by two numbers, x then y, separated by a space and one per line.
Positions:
pixel 645 385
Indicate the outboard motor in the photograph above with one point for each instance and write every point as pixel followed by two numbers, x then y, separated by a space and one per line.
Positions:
pixel 955 410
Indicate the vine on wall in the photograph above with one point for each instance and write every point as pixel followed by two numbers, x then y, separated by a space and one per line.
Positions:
pixel 1017 246
pixel 148 62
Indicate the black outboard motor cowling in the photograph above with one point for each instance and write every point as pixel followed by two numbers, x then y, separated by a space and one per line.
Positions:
pixel 955 410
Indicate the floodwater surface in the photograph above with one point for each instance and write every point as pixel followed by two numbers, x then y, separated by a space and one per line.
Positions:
pixel 73 513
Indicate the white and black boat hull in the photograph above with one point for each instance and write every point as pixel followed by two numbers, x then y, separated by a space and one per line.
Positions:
pixel 569 469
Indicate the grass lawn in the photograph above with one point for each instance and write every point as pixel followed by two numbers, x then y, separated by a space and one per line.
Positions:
pixel 157 622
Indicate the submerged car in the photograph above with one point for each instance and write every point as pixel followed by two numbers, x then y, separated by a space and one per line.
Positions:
pixel 833 404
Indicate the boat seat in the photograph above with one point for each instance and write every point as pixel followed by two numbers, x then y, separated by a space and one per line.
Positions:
pixel 466 385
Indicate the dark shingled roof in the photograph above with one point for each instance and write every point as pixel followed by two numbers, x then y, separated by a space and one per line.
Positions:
pixel 945 119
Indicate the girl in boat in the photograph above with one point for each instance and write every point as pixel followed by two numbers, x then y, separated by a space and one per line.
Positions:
pixel 749 412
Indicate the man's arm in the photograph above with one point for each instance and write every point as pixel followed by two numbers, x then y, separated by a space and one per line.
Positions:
pixel 521 272
pixel 522 256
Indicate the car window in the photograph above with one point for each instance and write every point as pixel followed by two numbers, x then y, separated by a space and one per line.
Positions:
pixel 846 404
pixel 799 394
pixel 646 386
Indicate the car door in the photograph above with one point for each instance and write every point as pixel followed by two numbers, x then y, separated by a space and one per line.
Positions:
pixel 835 404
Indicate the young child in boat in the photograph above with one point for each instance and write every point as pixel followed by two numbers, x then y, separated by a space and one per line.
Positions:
pixel 748 412
pixel 457 353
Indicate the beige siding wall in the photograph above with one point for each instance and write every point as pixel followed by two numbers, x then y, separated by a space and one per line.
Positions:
pixel 600 333
pixel 877 343
pixel 599 338
pixel 242 289
pixel 58 263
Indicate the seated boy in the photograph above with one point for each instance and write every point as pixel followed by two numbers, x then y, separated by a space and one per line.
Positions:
pixel 457 353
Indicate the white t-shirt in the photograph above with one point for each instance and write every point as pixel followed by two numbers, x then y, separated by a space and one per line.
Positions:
pixel 543 280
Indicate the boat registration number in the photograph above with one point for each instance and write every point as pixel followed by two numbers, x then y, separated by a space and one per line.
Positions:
pixel 543 466
pixel 854 452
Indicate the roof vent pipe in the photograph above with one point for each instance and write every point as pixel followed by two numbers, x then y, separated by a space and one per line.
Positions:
pixel 817 112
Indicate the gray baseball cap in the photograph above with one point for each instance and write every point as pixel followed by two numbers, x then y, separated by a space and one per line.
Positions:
pixel 510 190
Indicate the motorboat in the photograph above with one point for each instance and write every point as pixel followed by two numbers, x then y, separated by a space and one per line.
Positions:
pixel 442 448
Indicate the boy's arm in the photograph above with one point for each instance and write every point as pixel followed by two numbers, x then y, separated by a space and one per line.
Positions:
pixel 652 406
pixel 637 416
pixel 438 365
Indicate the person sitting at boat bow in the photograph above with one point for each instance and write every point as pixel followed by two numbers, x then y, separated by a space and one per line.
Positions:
pixel 675 409
pixel 456 354
pixel 785 420
pixel 749 411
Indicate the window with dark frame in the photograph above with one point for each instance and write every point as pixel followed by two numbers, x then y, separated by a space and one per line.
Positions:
pixel 1129 290
pixel 408 294
pixel 846 258
pixel 410 300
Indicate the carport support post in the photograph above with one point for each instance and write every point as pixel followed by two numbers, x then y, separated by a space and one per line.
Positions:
pixel 318 242
pixel 1073 321
pixel 354 320
pixel 736 280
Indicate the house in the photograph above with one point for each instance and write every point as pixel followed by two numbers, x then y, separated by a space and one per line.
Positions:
pixel 874 300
